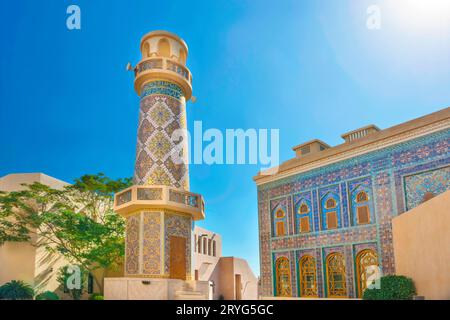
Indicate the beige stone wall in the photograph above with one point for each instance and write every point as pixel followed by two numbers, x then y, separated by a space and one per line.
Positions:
pixel 229 268
pixel 422 246
pixel 24 261
pixel 222 271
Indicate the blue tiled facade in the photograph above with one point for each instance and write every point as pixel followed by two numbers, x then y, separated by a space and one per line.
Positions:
pixel 390 180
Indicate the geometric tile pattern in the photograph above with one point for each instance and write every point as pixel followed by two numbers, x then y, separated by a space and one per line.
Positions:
pixel 395 179
pixel 132 244
pixel 418 185
pixel 151 244
pixel 162 111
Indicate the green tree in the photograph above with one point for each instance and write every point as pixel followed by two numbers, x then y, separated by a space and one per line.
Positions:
pixel 77 221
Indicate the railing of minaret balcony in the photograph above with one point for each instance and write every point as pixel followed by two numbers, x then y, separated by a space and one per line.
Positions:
pixel 158 63
pixel 149 193
pixel 186 198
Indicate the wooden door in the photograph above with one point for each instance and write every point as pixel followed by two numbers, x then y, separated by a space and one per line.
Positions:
pixel 177 258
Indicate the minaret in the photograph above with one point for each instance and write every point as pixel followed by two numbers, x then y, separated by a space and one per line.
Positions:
pixel 159 209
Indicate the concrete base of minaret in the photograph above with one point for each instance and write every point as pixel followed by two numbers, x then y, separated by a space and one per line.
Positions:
pixel 135 288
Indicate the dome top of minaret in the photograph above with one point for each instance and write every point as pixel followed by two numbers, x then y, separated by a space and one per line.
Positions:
pixel 164 56
pixel 161 34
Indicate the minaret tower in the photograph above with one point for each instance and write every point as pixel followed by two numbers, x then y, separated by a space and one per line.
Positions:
pixel 159 208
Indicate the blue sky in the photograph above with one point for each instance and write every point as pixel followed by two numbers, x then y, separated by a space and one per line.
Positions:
pixel 310 68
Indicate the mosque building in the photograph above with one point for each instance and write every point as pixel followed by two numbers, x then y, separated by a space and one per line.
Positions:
pixel 326 216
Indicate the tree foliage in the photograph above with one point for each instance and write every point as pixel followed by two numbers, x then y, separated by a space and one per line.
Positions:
pixel 16 290
pixel 77 221
pixel 47 295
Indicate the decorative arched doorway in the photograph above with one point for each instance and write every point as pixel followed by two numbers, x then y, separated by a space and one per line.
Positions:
pixel 283 277
pixel 364 260
pixel 336 279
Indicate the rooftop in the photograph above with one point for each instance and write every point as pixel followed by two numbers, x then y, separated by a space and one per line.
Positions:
pixel 359 141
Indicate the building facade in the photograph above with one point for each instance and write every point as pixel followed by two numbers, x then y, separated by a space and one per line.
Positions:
pixel 325 216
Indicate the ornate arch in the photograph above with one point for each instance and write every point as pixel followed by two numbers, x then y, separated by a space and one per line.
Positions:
pixel 308 277
pixel 364 260
pixel 336 278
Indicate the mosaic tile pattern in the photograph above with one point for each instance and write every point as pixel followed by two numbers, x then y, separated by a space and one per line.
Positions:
pixel 151 243
pixel 132 244
pixel 417 185
pixel 162 111
pixel 395 178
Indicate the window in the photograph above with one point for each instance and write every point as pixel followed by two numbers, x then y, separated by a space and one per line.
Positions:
pixel 199 246
pixel 209 247
pixel 304 224
pixel 90 284
pixel 164 48
pixel 366 263
pixel 280 229
pixel 362 197
pixel 279 214
pixel 362 214
pixel 182 57
pixel 361 209
pixel 205 245
pixel 335 267
pixel 214 248
pixel 331 220
pixel 303 208
pixel 283 277
pixel 146 50
pixel 330 204
pixel 308 285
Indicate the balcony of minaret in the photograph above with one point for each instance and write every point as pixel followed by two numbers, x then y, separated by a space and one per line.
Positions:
pixel 163 58
pixel 159 197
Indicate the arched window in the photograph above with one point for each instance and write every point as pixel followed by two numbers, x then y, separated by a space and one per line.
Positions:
pixel 361 207
pixel 303 208
pixel 182 56
pixel 335 267
pixel 280 227
pixel 279 214
pixel 366 265
pixel 146 50
pixel 303 211
pixel 283 277
pixel 164 48
pixel 205 245
pixel 308 281
pixel 199 246
pixel 330 204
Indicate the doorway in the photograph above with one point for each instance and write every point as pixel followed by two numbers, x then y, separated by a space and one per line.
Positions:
pixel 177 258
pixel 238 286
